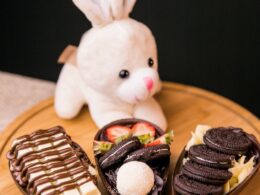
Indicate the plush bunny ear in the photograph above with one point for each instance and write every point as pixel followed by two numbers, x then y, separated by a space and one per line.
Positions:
pixel 121 8
pixel 128 7
pixel 97 11
pixel 101 12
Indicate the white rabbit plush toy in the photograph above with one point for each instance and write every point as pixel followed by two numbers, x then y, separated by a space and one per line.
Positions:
pixel 116 68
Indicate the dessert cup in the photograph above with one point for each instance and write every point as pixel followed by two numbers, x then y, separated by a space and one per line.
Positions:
pixel 100 136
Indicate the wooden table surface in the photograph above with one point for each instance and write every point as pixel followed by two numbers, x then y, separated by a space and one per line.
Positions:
pixel 184 106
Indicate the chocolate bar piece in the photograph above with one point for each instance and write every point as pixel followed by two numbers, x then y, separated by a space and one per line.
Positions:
pixel 49 162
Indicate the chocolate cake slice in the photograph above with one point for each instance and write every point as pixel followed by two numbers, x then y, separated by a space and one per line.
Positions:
pixel 49 162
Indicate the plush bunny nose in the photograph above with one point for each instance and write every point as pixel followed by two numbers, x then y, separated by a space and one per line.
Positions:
pixel 149 83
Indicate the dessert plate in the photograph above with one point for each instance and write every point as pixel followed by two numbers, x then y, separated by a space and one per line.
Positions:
pixel 255 150
pixel 184 107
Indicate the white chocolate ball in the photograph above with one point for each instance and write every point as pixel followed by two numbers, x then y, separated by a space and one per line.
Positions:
pixel 135 178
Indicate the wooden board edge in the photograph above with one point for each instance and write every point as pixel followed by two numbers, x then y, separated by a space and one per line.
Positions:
pixel 9 130
pixel 221 100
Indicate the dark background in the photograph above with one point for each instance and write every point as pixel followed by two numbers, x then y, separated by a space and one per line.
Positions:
pixel 209 44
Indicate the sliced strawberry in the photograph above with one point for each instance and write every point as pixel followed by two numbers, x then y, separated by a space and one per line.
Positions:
pixel 101 147
pixel 167 138
pixel 154 143
pixel 143 128
pixel 118 133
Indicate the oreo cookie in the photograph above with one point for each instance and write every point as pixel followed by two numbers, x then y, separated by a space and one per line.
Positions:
pixel 208 164
pixel 118 152
pixel 149 153
pixel 204 155
pixel 229 140
pixel 187 186
pixel 206 174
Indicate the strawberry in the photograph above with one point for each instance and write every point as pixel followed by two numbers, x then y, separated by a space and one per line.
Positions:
pixel 101 147
pixel 164 139
pixel 118 133
pixel 143 128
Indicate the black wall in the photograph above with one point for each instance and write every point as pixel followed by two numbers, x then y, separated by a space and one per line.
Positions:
pixel 210 44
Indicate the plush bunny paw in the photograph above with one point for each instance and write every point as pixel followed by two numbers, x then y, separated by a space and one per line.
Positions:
pixel 151 111
pixel 68 97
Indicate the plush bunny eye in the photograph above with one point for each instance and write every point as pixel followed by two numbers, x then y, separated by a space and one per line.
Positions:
pixel 124 74
pixel 150 62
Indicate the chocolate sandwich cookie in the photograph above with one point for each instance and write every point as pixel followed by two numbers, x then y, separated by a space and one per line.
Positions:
pixel 206 174
pixel 119 151
pixel 229 140
pixel 149 153
pixel 204 155
pixel 187 186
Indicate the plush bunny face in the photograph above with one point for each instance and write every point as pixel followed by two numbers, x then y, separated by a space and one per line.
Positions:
pixel 120 61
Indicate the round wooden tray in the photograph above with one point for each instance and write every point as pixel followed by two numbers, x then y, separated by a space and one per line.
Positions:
pixel 184 106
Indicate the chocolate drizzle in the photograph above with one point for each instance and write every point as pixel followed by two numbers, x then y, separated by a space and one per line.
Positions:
pixel 40 134
pixel 47 161
pixel 73 182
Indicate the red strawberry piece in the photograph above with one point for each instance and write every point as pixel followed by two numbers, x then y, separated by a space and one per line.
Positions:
pixel 143 128
pixel 154 143
pixel 164 139
pixel 117 133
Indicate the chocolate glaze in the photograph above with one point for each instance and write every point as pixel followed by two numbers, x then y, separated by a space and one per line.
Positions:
pixel 33 137
pixel 33 187
pixel 48 166
pixel 70 160
pixel 60 171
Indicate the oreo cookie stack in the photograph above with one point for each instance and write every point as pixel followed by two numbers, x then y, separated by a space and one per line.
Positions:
pixel 206 171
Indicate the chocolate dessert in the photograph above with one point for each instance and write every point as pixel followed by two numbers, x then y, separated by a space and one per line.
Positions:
pixel 133 157
pixel 229 140
pixel 186 185
pixel 204 155
pixel 49 162
pixel 216 161
pixel 119 152
pixel 206 174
